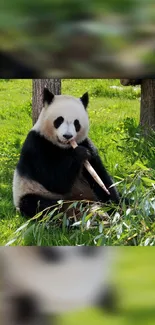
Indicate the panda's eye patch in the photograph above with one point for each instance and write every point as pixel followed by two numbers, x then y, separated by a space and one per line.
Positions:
pixel 50 254
pixel 58 122
pixel 77 125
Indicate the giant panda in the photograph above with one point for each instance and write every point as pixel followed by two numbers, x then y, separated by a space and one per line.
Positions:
pixel 49 169
pixel 39 281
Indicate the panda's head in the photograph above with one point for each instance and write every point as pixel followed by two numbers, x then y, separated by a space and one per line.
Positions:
pixel 63 118
pixel 62 278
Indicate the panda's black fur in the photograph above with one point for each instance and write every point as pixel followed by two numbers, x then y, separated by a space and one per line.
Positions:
pixel 58 169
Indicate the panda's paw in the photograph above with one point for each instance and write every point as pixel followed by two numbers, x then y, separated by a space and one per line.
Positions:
pixel 82 153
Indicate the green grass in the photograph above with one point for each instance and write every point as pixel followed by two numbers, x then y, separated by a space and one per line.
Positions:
pixel 114 118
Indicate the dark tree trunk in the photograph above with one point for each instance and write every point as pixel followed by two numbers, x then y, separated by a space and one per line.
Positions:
pixel 147 111
pixel 130 82
pixel 53 85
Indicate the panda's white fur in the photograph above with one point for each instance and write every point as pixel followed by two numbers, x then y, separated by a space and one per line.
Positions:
pixel 70 108
pixel 70 284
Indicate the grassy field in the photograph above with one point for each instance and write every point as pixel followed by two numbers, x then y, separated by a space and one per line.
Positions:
pixel 114 117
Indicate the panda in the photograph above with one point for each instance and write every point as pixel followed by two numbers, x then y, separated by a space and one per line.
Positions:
pixel 38 282
pixel 49 169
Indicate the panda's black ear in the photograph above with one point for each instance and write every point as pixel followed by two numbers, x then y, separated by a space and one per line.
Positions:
pixel 85 99
pixel 47 96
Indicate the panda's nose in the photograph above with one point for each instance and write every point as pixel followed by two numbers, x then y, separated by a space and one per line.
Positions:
pixel 67 136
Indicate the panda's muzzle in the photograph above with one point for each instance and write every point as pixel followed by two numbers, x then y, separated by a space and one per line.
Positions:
pixel 67 136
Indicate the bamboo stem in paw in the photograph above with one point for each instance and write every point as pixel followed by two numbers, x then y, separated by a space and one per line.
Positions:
pixel 91 170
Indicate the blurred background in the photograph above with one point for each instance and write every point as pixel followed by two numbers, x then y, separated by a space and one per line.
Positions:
pixel 133 275
pixel 75 38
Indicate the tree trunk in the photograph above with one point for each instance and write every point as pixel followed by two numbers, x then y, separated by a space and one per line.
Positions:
pixel 54 85
pixel 147 112
pixel 130 82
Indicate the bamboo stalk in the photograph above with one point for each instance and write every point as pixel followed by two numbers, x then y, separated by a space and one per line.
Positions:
pixel 91 170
